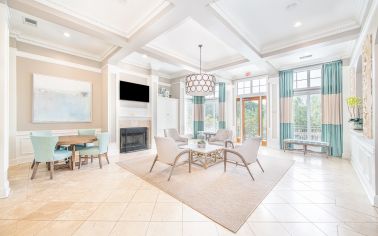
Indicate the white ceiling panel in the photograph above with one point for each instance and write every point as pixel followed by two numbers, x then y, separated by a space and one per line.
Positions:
pixel 249 70
pixel 313 55
pixel 269 24
pixel 122 17
pixel 182 42
pixel 50 35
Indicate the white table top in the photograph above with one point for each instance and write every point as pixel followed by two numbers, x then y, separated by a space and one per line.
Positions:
pixel 208 149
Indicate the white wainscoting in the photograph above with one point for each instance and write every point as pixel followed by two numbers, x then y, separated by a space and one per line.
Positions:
pixel 363 161
pixel 24 148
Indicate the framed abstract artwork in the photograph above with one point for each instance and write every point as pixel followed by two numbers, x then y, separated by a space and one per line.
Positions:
pixel 61 100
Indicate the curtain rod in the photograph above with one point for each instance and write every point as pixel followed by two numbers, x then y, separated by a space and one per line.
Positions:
pixel 318 64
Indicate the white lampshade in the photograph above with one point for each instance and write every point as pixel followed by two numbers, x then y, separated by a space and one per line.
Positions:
pixel 200 84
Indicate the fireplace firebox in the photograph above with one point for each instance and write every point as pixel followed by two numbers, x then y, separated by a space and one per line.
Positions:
pixel 133 139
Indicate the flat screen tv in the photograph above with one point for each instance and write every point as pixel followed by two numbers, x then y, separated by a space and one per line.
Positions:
pixel 134 92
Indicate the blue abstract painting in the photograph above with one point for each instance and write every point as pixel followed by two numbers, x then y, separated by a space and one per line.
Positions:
pixel 61 100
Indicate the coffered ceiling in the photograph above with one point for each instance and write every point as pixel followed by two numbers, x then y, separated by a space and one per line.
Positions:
pixel 239 36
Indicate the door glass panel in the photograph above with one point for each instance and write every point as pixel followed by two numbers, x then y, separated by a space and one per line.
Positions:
pixel 251 118
pixel 263 118
pixel 238 119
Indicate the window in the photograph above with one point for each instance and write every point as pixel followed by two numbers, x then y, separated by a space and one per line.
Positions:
pixel 259 85
pixel 307 104
pixel 212 111
pixel 244 87
pixel 188 114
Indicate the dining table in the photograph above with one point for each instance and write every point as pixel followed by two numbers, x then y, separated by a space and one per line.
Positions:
pixel 72 141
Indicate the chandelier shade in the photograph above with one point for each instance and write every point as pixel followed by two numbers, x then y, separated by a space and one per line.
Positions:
pixel 200 84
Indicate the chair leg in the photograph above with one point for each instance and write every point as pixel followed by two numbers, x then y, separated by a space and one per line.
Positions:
pixel 107 159
pixel 249 171
pixel 80 161
pixel 170 174
pixel 153 164
pixel 51 170
pixel 225 161
pixel 91 159
pixel 99 161
pixel 258 162
pixel 32 165
pixel 35 167
pixel 48 166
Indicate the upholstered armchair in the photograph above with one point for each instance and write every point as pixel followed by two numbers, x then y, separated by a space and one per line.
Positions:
pixel 173 133
pixel 223 137
pixel 169 153
pixel 245 154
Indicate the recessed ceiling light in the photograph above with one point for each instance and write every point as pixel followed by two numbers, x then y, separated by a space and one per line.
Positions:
pixel 144 56
pixel 66 34
pixel 297 24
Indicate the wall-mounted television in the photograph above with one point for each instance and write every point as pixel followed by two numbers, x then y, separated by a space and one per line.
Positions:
pixel 134 92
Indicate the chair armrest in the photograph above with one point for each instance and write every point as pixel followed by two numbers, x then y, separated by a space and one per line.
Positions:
pixel 227 150
pixel 182 139
pixel 181 153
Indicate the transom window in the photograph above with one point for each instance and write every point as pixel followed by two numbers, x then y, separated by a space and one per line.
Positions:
pixel 306 79
pixel 254 86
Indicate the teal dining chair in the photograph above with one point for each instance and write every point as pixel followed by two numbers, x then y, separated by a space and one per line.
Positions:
pixel 39 133
pixel 96 151
pixel 89 132
pixel 44 151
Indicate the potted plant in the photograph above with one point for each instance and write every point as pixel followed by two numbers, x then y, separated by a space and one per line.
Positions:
pixel 201 144
pixel 354 106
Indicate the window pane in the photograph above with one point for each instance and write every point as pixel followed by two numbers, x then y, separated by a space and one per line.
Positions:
pixel 315 82
pixel 247 90
pixel 238 119
pixel 315 118
pixel 263 89
pixel 262 81
pixel 315 73
pixel 255 89
pixel 240 91
pixel 301 84
pixel 300 116
pixel 211 115
pixel 302 75
pixel 247 84
pixel 188 116
pixel 251 118
pixel 240 85
pixel 255 82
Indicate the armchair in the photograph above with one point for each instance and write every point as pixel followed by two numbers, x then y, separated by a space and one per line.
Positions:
pixel 246 154
pixel 173 133
pixel 223 137
pixel 169 153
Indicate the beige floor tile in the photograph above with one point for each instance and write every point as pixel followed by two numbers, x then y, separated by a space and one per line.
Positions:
pixel 98 228
pixel 167 212
pixel 261 214
pixel 163 197
pixel 108 211
pixel 268 229
pixel 130 229
pixel 145 196
pixel 29 227
pixel 121 196
pixel 199 228
pixel 368 229
pixel 19 210
pixel 192 215
pixel 300 229
pixel 8 227
pixel 78 211
pixel 314 213
pixel 49 211
pixel 164 229
pixel 285 213
pixel 138 211
pixel 245 230
pixel 60 228
pixel 346 215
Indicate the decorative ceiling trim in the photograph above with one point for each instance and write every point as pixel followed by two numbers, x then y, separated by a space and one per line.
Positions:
pixel 149 16
pixel 44 44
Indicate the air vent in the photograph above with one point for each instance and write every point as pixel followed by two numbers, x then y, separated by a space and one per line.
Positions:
pixel 305 57
pixel 30 21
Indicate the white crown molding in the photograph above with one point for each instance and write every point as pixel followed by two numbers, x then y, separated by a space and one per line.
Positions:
pixel 44 44
pixel 149 16
pixel 164 84
pixel 129 72
pixel 56 61
pixel 336 29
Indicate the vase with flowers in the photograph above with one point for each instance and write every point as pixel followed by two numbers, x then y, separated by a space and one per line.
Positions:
pixel 354 107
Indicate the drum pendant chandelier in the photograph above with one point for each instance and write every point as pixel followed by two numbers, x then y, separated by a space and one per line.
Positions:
pixel 200 84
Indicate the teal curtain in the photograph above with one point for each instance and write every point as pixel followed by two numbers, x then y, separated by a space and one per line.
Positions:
pixel 222 105
pixel 286 96
pixel 332 112
pixel 198 115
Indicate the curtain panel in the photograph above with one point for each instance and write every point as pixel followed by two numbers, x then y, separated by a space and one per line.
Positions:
pixel 199 115
pixel 286 96
pixel 332 112
pixel 222 105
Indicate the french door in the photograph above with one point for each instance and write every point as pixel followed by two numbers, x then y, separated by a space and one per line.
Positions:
pixel 251 118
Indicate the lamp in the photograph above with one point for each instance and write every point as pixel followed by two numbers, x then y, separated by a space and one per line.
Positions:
pixel 201 84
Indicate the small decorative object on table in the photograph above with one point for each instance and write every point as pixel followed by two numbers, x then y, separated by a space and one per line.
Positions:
pixel 201 144
pixel 354 107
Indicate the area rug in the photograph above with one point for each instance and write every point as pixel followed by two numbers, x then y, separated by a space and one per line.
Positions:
pixel 227 198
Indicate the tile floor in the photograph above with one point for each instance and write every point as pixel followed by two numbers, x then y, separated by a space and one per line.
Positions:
pixel 317 196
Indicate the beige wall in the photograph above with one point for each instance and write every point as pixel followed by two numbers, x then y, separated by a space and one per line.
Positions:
pixel 26 68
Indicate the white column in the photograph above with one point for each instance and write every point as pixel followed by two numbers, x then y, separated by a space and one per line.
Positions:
pixel 154 87
pixel 4 100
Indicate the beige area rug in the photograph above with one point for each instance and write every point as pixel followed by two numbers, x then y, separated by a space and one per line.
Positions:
pixel 226 198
